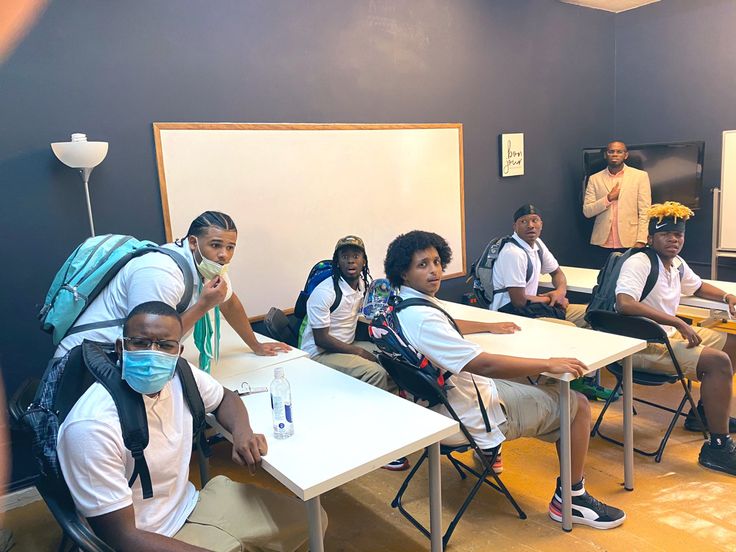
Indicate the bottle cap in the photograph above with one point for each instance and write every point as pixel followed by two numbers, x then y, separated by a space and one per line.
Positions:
pixel 278 372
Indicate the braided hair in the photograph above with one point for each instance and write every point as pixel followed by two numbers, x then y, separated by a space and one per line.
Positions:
pixel 205 221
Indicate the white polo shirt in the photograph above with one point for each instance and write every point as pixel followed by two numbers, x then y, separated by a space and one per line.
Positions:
pixel 430 332
pixel 510 269
pixel 665 295
pixel 342 322
pixel 97 466
pixel 151 277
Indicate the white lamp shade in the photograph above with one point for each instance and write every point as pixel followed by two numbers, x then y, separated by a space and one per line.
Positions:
pixel 80 155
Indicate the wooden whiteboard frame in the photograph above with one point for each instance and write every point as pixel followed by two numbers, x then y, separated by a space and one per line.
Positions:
pixel 158 127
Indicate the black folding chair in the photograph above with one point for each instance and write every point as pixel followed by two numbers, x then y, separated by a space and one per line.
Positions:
pixel 278 327
pixel 422 386
pixel 642 328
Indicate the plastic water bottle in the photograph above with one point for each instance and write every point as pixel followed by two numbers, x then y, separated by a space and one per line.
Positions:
pixel 283 424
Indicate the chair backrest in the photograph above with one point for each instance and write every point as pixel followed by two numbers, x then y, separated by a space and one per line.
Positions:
pixel 423 387
pixel 278 327
pixel 629 326
pixel 58 499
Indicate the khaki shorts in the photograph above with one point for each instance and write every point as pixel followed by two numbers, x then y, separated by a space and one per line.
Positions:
pixel 234 517
pixel 532 410
pixel 656 358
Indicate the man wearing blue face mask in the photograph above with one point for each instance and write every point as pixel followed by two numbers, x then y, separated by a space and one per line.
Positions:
pixel 207 249
pixel 224 516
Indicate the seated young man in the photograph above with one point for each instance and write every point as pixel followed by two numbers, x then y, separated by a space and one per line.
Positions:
pixel 225 515
pixel 703 354
pixel 513 292
pixel 329 337
pixel 415 263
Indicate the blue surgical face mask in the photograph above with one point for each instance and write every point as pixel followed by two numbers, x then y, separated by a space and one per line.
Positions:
pixel 148 371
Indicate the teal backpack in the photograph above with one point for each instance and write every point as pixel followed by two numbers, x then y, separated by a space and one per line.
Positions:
pixel 86 273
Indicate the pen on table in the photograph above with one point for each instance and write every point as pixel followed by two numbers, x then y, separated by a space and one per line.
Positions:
pixel 251 391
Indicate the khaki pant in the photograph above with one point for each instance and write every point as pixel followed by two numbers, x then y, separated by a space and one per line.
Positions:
pixel 532 410
pixel 574 316
pixel 234 517
pixel 656 358
pixel 359 367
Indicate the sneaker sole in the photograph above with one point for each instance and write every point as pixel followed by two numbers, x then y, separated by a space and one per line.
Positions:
pixel 715 467
pixel 589 522
pixel 402 467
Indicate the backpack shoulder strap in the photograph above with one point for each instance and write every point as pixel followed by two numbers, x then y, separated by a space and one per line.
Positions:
pixel 420 301
pixel 653 272
pixel 193 398
pixel 338 294
pixel 130 407
pixel 183 265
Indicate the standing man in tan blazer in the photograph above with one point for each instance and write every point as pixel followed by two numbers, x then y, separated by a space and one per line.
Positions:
pixel 618 197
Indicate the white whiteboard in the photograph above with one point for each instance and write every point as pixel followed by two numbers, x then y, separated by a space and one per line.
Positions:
pixel 727 218
pixel 294 190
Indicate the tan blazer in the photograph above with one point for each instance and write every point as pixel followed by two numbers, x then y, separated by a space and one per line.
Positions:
pixel 633 203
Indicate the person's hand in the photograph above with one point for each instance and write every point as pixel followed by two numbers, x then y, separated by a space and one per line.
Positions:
pixel 366 355
pixel 557 297
pixel 270 349
pixel 503 328
pixel 566 366
pixel 640 244
pixel 613 194
pixel 731 302
pixel 213 292
pixel 248 447
pixel 689 334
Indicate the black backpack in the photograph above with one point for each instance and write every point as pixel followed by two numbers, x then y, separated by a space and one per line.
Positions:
pixel 385 331
pixel 603 296
pixel 481 272
pixel 65 381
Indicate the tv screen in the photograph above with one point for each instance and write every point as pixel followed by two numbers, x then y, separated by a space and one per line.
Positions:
pixel 675 170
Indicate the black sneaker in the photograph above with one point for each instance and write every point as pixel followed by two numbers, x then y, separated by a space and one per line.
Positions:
pixel 400 464
pixel 586 510
pixel 720 459
pixel 693 424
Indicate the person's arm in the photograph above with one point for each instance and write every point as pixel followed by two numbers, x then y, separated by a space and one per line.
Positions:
pixel 519 297
pixel 471 327
pixel 234 313
pixel 628 305
pixel 711 292
pixel 118 529
pixel 643 203
pixel 557 296
pixel 593 205
pixel 248 447
pixel 506 367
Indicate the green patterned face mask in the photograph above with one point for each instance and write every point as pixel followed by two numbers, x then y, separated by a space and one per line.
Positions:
pixel 207 338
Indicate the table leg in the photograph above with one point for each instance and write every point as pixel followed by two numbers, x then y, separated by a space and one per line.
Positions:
pixel 314 515
pixel 565 456
pixel 435 498
pixel 628 426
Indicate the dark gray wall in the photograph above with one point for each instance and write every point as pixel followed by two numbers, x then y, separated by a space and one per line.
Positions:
pixel 110 69
pixel 676 81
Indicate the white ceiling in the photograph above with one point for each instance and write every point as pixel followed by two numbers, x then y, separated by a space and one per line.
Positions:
pixel 615 6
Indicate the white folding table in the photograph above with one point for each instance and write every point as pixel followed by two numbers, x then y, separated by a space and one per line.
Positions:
pixel 343 428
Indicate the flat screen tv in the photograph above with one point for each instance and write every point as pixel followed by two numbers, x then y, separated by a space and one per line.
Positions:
pixel 675 170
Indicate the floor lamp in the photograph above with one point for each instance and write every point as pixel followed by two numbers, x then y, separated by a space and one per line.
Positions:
pixel 85 156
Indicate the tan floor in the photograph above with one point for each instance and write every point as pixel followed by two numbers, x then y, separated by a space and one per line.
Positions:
pixel 676 505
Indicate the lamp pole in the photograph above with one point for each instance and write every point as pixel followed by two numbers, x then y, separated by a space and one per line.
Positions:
pixel 85 177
